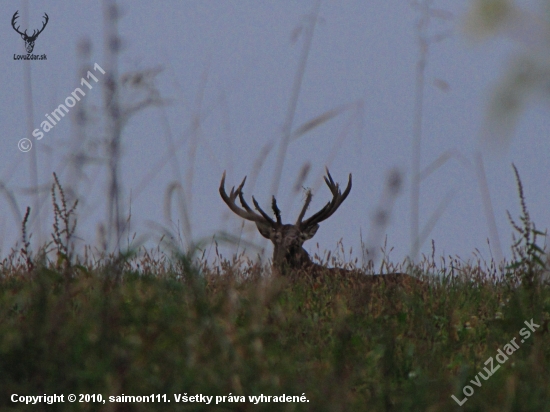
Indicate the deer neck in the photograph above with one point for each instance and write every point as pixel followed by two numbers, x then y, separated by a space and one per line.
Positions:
pixel 296 258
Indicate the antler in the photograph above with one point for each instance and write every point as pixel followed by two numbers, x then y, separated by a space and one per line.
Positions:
pixel 15 16
pixel 34 33
pixel 43 26
pixel 331 207
pixel 246 213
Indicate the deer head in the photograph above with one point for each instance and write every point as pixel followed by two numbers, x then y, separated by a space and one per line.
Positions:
pixel 287 239
pixel 29 40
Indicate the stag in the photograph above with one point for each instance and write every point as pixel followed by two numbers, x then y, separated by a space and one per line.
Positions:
pixel 29 40
pixel 289 256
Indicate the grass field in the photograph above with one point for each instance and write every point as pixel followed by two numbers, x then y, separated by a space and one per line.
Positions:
pixel 170 326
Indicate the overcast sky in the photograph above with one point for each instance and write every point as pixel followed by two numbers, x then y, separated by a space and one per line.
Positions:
pixel 226 71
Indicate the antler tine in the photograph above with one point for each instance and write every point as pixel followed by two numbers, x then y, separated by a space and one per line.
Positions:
pixel 46 20
pixel 247 214
pixel 248 208
pixel 34 32
pixel 259 209
pixel 14 18
pixel 276 209
pixel 331 207
pixel 329 178
pixel 335 189
pixel 243 202
pixel 306 206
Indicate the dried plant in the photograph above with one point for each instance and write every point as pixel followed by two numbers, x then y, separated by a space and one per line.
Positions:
pixel 64 224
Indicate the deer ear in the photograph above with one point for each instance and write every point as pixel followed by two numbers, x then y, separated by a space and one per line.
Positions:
pixel 264 229
pixel 309 232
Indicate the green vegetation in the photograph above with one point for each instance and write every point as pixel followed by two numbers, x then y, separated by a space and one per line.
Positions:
pixel 153 323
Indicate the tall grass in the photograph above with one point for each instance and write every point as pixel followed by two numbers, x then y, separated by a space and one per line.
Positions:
pixel 161 323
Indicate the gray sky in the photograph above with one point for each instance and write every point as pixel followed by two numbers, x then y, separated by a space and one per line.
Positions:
pixel 230 65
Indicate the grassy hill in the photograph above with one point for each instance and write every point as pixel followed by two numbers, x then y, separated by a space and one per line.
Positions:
pixel 170 328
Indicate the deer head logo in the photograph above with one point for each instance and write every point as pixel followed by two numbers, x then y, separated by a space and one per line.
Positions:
pixel 29 40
